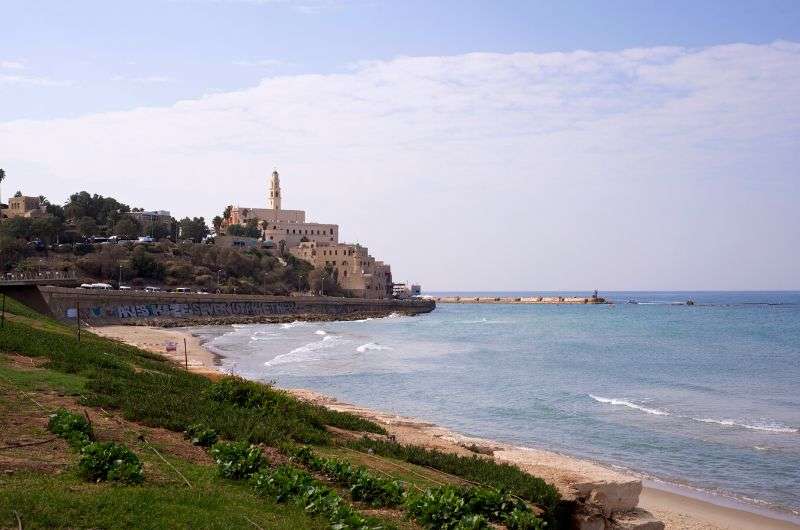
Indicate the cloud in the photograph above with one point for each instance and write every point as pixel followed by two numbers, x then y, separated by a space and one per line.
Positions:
pixel 33 80
pixel 144 80
pixel 259 62
pixel 12 65
pixel 670 168
pixel 302 6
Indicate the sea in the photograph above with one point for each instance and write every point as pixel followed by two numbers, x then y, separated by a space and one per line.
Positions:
pixel 703 396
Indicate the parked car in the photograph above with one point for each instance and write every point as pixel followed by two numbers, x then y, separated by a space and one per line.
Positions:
pixel 145 239
pixel 125 288
pixel 182 290
pixel 151 289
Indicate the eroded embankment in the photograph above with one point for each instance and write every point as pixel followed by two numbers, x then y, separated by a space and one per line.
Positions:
pixel 167 309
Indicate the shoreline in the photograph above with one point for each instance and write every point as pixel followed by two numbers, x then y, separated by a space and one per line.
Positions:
pixel 677 506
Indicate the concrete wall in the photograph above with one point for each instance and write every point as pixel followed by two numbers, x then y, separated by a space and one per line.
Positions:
pixel 119 307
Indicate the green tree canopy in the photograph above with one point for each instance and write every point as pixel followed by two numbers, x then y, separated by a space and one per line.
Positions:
pixel 127 227
pixel 194 229
pixel 104 210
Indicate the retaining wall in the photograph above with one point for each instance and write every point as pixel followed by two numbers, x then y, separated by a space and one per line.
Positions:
pixel 120 307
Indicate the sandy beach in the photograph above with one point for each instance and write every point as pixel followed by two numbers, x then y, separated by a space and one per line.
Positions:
pixel 676 508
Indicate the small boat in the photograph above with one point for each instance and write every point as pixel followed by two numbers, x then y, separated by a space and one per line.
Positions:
pixel 632 301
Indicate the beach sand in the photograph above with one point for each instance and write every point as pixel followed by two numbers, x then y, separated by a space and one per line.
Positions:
pixel 677 509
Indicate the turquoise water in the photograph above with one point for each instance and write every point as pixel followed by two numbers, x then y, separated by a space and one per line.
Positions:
pixel 705 395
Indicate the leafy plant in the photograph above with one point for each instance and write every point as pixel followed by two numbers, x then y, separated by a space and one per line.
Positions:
pixel 287 484
pixel 200 435
pixel 363 485
pixel 74 428
pixel 476 469
pixel 110 461
pixel 237 459
pixel 452 507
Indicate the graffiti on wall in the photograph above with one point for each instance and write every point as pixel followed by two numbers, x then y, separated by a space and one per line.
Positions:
pixel 203 309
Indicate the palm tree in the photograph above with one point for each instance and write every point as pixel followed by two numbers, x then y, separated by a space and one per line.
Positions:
pixel 2 178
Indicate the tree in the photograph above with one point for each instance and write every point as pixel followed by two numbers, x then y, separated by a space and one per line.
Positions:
pixel 128 228
pixel 250 230
pixel 217 222
pixel 87 226
pixel 46 228
pixel 194 229
pixel 2 178
pixel 145 265
pixel 104 210
pixel 226 214
pixel 16 228
pixel 18 194
pixel 159 231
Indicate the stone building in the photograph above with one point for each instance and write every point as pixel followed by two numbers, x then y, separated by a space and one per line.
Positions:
pixel 24 207
pixel 278 225
pixel 145 219
pixel 358 273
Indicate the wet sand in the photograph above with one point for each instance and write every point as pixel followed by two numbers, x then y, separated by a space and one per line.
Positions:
pixel 678 510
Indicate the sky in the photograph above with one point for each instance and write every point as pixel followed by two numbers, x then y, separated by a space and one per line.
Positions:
pixel 497 145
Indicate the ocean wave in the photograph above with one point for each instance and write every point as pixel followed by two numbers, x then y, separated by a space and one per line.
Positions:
pixel 629 404
pixel 371 346
pixel 754 426
pixel 289 325
pixel 320 332
pixel 304 353
pixel 363 319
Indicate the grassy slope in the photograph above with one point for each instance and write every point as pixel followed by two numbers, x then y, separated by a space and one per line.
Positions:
pixel 45 499
pixel 145 388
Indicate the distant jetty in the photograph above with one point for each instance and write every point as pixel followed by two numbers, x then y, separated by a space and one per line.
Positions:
pixel 594 299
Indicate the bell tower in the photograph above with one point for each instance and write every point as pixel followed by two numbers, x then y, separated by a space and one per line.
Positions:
pixel 274 201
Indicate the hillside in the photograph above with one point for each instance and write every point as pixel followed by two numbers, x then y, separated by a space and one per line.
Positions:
pixel 143 403
pixel 194 265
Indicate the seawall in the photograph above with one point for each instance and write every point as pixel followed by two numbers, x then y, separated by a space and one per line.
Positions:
pixel 171 309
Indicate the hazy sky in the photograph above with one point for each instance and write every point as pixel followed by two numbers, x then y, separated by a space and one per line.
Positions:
pixel 472 145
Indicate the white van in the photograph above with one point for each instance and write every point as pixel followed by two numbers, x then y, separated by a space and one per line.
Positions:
pixel 102 287
pixel 151 289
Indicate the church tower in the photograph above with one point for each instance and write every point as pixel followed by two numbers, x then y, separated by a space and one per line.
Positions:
pixel 274 201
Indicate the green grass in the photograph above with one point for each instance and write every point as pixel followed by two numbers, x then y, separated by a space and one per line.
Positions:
pixel 479 470
pixel 149 389
pixel 36 379
pixel 66 501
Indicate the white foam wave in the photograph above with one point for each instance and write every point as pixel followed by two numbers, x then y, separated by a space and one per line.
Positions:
pixel 320 332
pixel 625 403
pixel 371 346
pixel 364 319
pixel 289 325
pixel 304 353
pixel 766 427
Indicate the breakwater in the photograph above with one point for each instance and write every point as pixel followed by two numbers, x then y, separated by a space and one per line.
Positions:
pixel 518 300
pixel 165 309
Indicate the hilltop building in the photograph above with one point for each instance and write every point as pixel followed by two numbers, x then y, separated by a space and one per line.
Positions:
pixel 278 225
pixel 23 206
pixel 318 243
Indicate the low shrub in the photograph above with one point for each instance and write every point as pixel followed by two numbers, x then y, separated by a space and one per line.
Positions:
pixel 110 461
pixel 363 485
pixel 287 484
pixel 237 460
pixel 200 435
pixel 74 428
pixel 252 395
pixel 452 507
pixel 473 468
